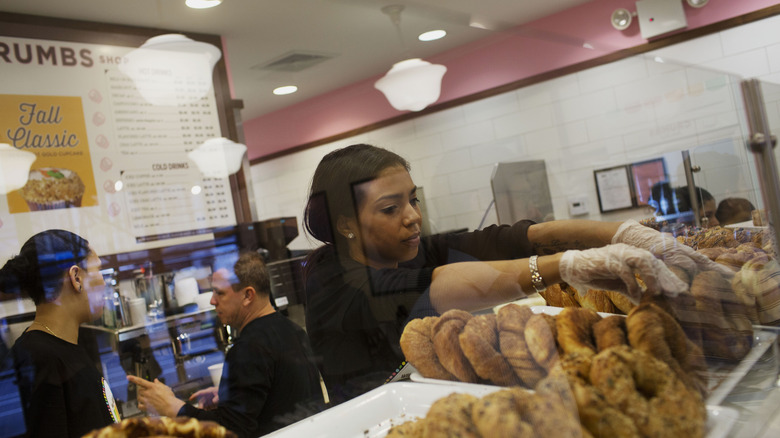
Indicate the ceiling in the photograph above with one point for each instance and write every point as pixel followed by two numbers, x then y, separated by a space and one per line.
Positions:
pixel 358 40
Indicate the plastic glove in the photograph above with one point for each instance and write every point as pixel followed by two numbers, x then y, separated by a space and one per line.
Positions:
pixel 613 267
pixel 667 248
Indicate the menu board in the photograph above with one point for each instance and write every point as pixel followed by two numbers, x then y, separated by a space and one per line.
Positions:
pixel 109 164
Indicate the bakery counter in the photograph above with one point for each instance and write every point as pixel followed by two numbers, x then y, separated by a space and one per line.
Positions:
pixel 755 394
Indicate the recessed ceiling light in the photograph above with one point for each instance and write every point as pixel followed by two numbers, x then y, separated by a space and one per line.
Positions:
pixel 202 4
pixel 697 3
pixel 287 89
pixel 432 35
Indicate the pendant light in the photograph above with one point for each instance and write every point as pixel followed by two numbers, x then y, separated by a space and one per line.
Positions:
pixel 171 69
pixel 412 84
pixel 14 168
pixel 218 157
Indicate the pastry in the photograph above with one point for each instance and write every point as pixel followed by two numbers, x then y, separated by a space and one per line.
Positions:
pixel 511 320
pixel 540 336
pixel 417 346
pixel 575 331
pixel 446 343
pixel 479 342
pixel 50 188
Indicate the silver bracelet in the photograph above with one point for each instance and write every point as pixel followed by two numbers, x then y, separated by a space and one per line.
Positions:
pixel 536 277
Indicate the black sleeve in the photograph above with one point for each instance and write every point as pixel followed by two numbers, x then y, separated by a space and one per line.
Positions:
pixel 249 378
pixel 496 242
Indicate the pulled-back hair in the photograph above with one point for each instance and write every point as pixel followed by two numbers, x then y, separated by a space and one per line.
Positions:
pixel 333 190
pixel 39 269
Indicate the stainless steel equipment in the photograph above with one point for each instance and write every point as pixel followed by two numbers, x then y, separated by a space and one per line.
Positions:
pixel 177 350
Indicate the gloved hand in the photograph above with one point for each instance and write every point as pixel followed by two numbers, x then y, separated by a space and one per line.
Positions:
pixel 612 267
pixel 667 248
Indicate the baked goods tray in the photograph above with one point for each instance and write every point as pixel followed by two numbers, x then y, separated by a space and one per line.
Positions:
pixel 723 378
pixel 372 414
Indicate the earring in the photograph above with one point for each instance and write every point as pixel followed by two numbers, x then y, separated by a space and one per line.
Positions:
pixel 350 236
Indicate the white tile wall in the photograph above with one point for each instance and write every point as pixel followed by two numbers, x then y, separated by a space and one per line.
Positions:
pixel 627 111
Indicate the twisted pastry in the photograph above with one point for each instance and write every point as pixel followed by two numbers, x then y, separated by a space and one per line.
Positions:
pixel 575 330
pixel 610 332
pixel 498 414
pixel 450 416
pixel 446 343
pixel 645 390
pixel 479 342
pixel 417 346
pixel 511 320
pixel 540 334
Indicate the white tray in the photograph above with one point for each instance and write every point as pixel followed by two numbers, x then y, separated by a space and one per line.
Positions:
pixel 372 414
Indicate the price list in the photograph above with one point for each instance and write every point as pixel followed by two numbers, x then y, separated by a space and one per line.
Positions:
pixel 169 198
pixel 143 129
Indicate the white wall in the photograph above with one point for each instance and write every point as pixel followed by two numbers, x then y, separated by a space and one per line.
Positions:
pixel 627 111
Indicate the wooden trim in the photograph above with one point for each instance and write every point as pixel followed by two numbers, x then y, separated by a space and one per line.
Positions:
pixel 59 29
pixel 655 44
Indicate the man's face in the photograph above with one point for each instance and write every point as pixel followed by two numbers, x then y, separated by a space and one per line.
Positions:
pixel 227 302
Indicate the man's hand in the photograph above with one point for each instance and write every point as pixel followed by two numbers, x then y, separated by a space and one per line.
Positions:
pixel 156 398
pixel 207 398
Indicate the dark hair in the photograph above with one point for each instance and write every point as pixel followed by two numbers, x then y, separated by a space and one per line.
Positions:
pixel 250 270
pixel 334 182
pixel 684 199
pixel 668 200
pixel 246 268
pixel 734 210
pixel 38 271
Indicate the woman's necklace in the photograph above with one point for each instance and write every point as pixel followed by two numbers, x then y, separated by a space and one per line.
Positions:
pixel 46 327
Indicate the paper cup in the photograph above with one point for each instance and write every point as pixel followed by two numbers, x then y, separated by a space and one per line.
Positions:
pixel 138 311
pixel 216 373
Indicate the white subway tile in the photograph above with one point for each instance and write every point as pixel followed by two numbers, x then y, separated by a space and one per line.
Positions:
pixel 585 105
pixel 497 151
pixel 440 121
pixel 694 51
pixel 470 179
pixel 609 75
pixel 561 88
pixel 491 107
pixel 744 64
pixel 745 38
pixel 444 164
pixel 468 135
pixel 524 121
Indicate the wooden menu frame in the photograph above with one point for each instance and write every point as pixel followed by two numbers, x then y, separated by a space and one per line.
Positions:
pixel 77 31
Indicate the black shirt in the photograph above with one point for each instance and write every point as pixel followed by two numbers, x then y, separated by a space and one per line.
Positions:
pixel 62 392
pixel 355 314
pixel 269 379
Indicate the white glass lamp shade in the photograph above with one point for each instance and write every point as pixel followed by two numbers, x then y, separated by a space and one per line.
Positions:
pixel 218 157
pixel 412 84
pixel 171 69
pixel 14 168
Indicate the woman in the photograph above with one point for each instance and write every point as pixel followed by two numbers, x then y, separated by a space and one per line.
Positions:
pixel 375 270
pixel 62 392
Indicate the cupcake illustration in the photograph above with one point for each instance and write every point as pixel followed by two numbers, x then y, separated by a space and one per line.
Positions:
pixel 50 188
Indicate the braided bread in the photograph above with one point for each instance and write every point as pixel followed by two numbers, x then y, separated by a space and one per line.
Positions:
pixel 417 346
pixel 479 342
pixel 512 320
pixel 446 343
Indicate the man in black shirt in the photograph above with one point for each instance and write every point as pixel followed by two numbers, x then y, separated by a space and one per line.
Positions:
pixel 269 379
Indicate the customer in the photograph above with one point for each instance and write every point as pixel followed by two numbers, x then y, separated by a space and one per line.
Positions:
pixel 734 210
pixel 375 270
pixel 62 391
pixel 704 200
pixel 269 379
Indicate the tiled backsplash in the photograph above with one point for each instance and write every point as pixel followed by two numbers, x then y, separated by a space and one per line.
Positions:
pixel 624 112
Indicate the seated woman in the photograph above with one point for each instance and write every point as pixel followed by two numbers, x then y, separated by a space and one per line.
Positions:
pixel 62 392
pixel 674 205
pixel 734 210
pixel 375 269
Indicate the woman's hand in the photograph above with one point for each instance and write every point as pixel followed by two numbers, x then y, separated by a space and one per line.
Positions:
pixel 667 248
pixel 207 398
pixel 612 267
pixel 156 398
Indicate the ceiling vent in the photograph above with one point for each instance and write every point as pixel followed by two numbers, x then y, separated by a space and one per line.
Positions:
pixel 294 62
